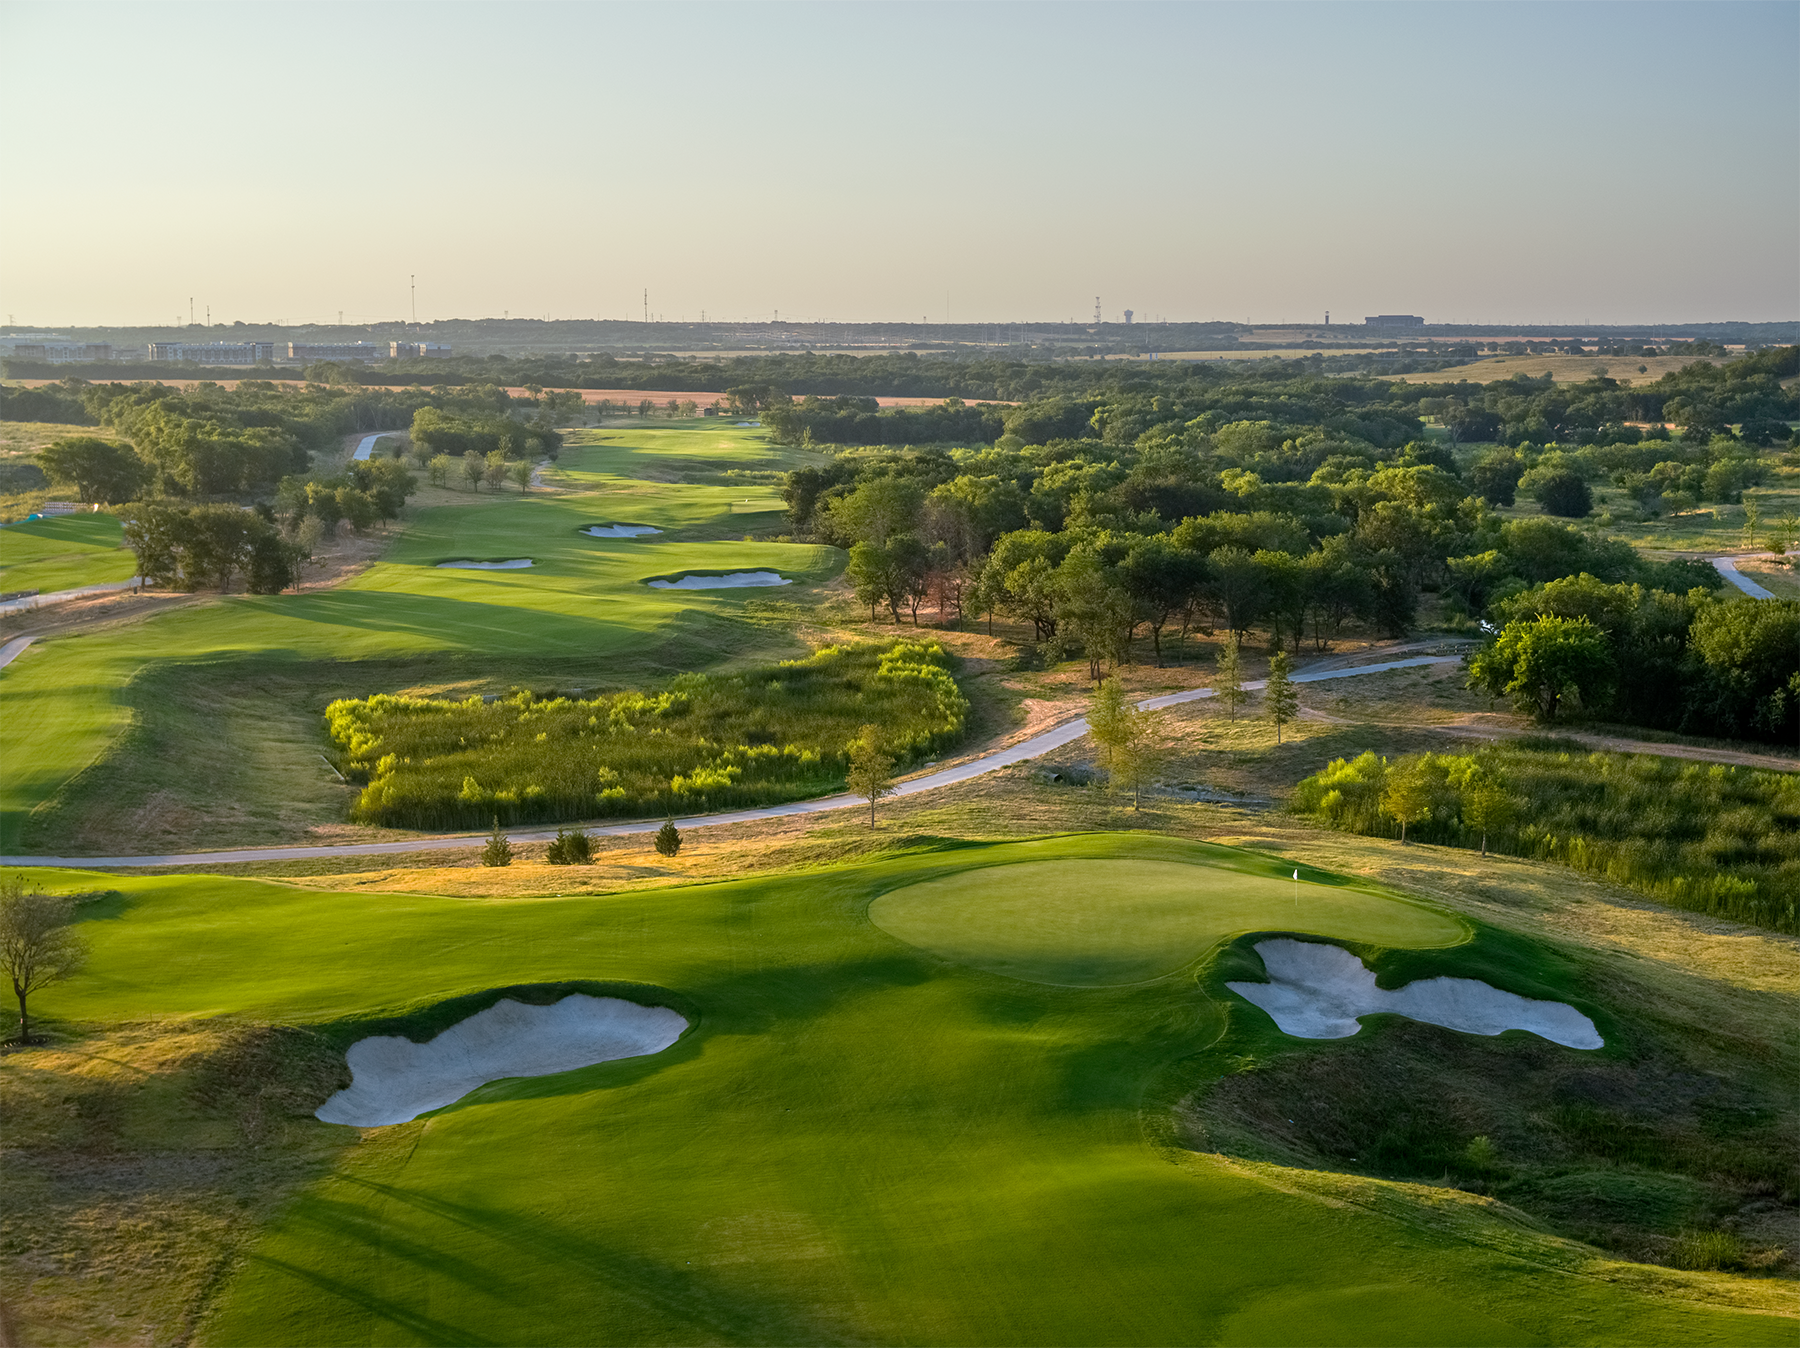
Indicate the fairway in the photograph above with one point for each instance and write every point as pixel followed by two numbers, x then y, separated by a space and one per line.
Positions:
pixel 1105 923
pixel 854 1143
pixel 63 552
pixel 172 706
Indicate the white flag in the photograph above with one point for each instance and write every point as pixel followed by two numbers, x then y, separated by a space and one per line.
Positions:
pixel 1296 874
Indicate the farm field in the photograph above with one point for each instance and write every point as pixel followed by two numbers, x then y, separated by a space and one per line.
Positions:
pixel 860 1138
pixel 1564 369
pixel 62 553
pixel 207 719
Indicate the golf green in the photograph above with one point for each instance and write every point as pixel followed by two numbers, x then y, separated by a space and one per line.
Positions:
pixel 856 1142
pixel 1104 923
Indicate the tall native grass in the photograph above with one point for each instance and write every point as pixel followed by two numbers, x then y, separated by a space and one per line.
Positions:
pixel 1704 837
pixel 705 742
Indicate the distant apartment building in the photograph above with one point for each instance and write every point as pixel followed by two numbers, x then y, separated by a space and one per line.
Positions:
pixel 213 353
pixel 53 350
pixel 410 350
pixel 1394 321
pixel 336 351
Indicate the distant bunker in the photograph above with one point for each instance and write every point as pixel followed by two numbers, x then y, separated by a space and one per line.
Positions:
pixel 731 580
pixel 1319 991
pixel 619 530
pixel 393 1079
pixel 516 564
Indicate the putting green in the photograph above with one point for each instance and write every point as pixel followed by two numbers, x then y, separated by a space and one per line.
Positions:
pixel 1094 922
pixel 855 1144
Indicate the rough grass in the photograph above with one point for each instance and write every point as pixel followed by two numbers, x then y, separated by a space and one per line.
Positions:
pixel 1712 838
pixel 63 553
pixel 758 737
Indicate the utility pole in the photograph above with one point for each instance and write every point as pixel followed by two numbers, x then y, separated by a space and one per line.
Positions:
pixel 646 304
pixel 190 311
pixel 412 283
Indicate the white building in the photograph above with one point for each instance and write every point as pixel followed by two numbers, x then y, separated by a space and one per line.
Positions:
pixel 213 353
pixel 52 348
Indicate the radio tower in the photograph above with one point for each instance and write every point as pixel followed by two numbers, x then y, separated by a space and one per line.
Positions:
pixel 1096 308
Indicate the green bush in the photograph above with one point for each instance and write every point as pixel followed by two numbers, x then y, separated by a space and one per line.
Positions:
pixel 668 839
pixel 1703 837
pixel 757 738
pixel 570 849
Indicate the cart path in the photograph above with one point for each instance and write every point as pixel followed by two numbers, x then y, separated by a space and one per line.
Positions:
pixel 1727 567
pixel 34 601
pixel 993 761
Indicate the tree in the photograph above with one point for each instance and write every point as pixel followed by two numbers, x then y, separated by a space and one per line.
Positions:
pixel 871 574
pixel 497 851
pixel 570 849
pixel 1130 741
pixel 1408 795
pixel 474 464
pixel 668 839
pixel 1560 491
pixel 1488 807
pixel 38 942
pixel 1495 476
pixel 1542 663
pixel 1228 683
pixel 1281 700
pixel 1161 580
pixel 437 468
pixel 494 468
pixel 521 473
pixel 1240 588
pixel 871 773
pixel 103 471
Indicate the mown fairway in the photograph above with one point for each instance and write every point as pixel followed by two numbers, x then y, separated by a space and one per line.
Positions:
pixel 857 1141
pixel 63 553
pixel 222 701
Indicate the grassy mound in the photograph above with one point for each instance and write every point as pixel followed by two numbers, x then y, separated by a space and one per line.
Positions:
pixel 1086 922
pixel 756 738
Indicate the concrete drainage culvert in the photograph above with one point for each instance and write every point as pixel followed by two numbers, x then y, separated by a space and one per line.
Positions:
pixel 1318 991
pixel 393 1079
pixel 730 581
pixel 619 530
pixel 516 564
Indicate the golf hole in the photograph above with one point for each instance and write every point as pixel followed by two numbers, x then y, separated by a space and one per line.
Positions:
pixel 619 530
pixel 516 564
pixel 731 581
pixel 393 1079
pixel 1318 991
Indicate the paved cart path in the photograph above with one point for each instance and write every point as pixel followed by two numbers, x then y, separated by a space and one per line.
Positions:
pixel 1727 567
pixel 1041 743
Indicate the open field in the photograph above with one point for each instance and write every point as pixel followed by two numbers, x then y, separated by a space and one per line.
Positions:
pixel 205 721
pixel 1564 369
pixel 859 1140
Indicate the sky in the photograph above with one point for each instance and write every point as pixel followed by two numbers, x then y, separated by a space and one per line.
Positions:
pixel 1474 163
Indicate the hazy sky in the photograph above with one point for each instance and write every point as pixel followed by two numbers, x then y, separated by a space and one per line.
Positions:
pixel 1565 162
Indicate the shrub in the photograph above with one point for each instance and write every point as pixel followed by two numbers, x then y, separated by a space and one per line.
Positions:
pixel 1560 492
pixel 497 851
pixel 1706 838
pixel 756 738
pixel 668 839
pixel 570 849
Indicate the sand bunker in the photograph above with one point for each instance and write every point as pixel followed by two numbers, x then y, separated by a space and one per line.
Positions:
pixel 393 1079
pixel 619 530
pixel 518 563
pixel 733 581
pixel 1318 991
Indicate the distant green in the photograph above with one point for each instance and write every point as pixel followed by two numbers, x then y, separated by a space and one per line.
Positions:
pixel 63 552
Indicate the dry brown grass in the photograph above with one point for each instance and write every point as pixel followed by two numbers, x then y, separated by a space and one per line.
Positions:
pixel 140 1161
pixel 1561 368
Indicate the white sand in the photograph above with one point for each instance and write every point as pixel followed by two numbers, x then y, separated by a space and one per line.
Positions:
pixel 393 1079
pixel 735 580
pixel 619 530
pixel 1318 991
pixel 517 564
